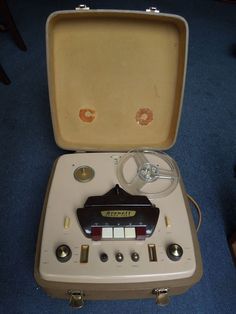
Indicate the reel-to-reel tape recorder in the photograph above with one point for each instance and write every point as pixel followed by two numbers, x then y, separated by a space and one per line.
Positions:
pixel 117 221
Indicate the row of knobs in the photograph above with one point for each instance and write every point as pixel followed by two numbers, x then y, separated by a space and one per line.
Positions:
pixel 174 252
pixel 119 257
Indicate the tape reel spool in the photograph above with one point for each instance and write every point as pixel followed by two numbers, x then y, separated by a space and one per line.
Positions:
pixel 148 172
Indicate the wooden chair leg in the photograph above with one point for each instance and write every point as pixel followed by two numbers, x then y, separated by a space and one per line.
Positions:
pixel 3 77
pixel 11 26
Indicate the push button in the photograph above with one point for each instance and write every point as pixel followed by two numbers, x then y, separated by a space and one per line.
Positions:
pixel 119 233
pixel 96 233
pixel 140 233
pixel 107 233
pixel 130 233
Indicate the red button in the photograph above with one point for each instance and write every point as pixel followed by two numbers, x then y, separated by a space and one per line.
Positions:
pixel 140 233
pixel 96 233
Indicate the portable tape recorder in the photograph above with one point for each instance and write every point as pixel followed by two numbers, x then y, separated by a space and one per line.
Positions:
pixel 115 225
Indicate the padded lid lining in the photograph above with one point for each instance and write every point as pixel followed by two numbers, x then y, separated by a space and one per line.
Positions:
pixel 115 66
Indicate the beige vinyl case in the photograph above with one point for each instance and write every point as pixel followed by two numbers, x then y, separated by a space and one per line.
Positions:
pixel 114 63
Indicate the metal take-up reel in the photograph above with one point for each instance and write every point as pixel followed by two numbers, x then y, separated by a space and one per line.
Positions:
pixel 148 172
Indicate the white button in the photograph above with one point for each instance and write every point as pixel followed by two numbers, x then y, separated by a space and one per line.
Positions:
pixel 107 233
pixel 130 233
pixel 119 233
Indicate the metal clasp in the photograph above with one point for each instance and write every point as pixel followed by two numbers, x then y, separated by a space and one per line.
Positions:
pixel 76 299
pixel 162 296
pixel 82 7
pixel 153 10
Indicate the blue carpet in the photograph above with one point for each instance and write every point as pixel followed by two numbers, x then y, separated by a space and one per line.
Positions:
pixel 205 151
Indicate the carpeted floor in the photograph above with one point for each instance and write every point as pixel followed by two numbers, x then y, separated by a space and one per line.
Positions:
pixel 205 151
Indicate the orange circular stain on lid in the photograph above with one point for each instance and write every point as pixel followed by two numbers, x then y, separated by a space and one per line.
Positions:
pixel 144 116
pixel 87 115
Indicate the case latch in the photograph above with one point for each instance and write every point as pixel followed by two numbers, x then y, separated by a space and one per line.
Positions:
pixel 162 296
pixel 76 299
pixel 153 10
pixel 82 7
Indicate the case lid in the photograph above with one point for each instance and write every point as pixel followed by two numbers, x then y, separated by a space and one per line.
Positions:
pixel 116 78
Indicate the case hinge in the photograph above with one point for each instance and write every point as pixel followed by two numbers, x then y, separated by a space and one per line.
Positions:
pixel 82 7
pixel 153 10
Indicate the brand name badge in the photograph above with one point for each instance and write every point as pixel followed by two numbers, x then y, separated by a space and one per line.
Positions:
pixel 118 213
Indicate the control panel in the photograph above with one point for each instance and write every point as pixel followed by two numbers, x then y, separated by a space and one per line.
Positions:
pixel 96 232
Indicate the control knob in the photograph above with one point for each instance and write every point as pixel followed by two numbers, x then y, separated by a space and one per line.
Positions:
pixel 63 253
pixel 104 257
pixel 135 256
pixel 119 257
pixel 174 252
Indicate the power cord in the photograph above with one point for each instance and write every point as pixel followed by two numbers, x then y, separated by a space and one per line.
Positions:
pixel 195 204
